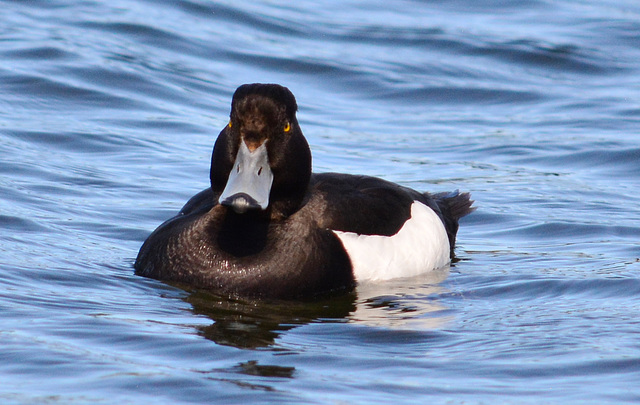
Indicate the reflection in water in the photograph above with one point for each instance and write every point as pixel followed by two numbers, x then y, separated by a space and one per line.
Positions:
pixel 252 323
pixel 253 368
pixel 406 303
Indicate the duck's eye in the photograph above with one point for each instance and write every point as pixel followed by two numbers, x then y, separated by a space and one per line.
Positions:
pixel 287 127
pixel 229 124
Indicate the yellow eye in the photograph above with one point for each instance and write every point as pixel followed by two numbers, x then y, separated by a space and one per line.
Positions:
pixel 287 127
pixel 229 124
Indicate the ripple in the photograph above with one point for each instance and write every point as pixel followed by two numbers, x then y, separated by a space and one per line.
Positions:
pixel 559 57
pixel 463 95
pixel 40 53
pixel 55 91
pixel 252 18
pixel 19 224
pixel 77 142
pixel 141 32
pixel 526 288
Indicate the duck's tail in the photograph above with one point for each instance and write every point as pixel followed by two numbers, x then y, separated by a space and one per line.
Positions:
pixel 453 206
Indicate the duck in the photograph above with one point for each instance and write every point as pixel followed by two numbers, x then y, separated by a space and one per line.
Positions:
pixel 268 227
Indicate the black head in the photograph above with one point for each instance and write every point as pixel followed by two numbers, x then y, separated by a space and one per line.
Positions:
pixel 262 139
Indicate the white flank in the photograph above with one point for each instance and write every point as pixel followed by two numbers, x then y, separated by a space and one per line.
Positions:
pixel 421 245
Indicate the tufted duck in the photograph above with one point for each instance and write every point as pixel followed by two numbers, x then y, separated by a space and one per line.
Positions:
pixel 268 227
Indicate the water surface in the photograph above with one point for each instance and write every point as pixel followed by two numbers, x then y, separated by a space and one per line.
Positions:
pixel 109 111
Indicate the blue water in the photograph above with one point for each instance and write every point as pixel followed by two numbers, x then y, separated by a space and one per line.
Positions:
pixel 108 113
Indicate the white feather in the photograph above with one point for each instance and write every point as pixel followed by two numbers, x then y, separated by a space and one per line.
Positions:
pixel 421 245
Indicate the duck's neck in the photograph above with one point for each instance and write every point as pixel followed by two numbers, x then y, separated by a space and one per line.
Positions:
pixel 243 234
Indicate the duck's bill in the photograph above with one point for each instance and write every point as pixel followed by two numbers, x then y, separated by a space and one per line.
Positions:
pixel 249 182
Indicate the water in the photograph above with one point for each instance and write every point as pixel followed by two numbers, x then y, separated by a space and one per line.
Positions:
pixel 109 110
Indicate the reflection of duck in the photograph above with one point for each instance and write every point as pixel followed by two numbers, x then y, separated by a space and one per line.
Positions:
pixel 269 227
pixel 402 304
pixel 253 324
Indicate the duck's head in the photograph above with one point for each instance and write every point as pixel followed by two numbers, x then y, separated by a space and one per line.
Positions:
pixel 261 161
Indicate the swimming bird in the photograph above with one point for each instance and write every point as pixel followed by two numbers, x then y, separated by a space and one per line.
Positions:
pixel 269 227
